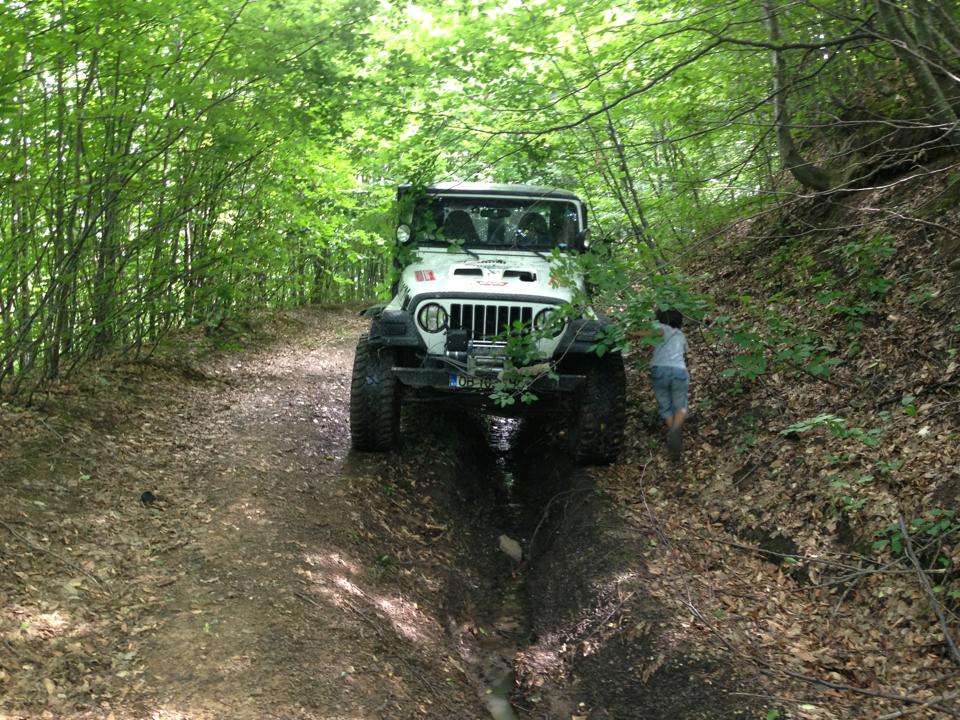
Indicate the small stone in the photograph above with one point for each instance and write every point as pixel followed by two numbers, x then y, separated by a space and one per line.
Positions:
pixel 511 547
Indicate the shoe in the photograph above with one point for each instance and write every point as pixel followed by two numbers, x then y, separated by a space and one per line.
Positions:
pixel 674 442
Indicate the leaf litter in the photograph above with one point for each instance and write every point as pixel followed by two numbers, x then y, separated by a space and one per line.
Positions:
pixel 779 533
pixel 246 587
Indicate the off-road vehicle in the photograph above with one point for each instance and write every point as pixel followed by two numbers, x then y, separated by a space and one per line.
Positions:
pixel 481 272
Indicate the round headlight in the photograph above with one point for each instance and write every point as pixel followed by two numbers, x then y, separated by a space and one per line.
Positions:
pixel 544 321
pixel 432 318
pixel 541 320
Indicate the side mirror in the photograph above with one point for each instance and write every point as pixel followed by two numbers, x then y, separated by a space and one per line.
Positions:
pixel 403 234
pixel 581 243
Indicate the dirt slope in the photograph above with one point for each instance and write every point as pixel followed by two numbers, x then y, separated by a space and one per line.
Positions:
pixel 784 547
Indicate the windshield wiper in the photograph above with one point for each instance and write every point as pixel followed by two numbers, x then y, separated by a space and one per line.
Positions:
pixel 526 249
pixel 468 251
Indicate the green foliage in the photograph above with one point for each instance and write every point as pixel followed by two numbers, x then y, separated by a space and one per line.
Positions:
pixel 771 342
pixel 864 259
pixel 170 164
pixel 846 491
pixel 838 428
pixel 174 163
pixel 831 421
pixel 935 523
pixel 888 467
pixel 525 365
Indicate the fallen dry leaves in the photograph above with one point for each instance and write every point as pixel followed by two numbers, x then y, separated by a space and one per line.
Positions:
pixel 768 540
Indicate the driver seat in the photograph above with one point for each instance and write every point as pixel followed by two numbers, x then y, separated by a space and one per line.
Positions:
pixel 458 225
pixel 532 230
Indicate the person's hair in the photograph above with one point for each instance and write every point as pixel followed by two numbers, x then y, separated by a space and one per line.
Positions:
pixel 673 318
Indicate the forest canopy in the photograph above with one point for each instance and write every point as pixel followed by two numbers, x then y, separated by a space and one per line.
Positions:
pixel 174 163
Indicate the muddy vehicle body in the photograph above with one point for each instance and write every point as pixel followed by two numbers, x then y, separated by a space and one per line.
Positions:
pixel 482 269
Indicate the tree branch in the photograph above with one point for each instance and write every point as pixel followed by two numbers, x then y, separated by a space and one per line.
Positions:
pixel 928 589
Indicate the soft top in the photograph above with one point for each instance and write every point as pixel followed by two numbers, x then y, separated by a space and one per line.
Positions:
pixel 474 188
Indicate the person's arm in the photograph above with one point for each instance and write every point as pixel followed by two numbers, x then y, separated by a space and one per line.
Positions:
pixel 641 333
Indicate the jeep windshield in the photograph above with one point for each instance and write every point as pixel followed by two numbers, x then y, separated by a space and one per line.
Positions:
pixel 516 223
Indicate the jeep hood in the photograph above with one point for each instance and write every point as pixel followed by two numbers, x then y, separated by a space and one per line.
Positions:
pixel 500 272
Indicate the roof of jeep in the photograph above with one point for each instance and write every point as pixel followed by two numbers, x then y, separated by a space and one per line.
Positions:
pixel 473 188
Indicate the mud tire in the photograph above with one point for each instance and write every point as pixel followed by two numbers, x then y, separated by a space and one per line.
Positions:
pixel 600 411
pixel 374 400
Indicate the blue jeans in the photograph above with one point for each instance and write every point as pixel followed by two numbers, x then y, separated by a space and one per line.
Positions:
pixel 670 385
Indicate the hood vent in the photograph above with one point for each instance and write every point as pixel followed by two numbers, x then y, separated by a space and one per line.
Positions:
pixel 469 271
pixel 522 275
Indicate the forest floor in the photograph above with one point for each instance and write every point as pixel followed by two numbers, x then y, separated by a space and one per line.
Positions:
pixel 276 574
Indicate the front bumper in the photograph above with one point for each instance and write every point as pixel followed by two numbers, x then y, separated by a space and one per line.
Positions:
pixel 443 379
pixel 395 328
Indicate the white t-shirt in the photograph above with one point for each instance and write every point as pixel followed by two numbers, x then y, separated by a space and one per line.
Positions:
pixel 669 351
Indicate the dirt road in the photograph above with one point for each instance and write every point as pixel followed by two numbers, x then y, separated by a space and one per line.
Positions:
pixel 249 588
pixel 278 575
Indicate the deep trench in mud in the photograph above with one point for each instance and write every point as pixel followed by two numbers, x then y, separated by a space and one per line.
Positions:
pixel 510 478
pixel 571 629
pixel 521 509
pixel 498 489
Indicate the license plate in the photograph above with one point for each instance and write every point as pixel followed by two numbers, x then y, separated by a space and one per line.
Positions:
pixel 468 382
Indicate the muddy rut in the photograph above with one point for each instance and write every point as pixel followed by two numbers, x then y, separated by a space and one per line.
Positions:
pixel 278 575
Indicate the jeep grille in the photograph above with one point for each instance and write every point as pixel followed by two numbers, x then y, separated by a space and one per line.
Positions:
pixel 485 322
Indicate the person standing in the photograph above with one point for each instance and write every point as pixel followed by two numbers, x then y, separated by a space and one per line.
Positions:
pixel 669 375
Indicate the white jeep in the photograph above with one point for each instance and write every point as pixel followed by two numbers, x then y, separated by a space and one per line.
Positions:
pixel 482 274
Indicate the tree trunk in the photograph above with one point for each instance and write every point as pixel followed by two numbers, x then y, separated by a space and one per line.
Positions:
pixel 629 198
pixel 805 172
pixel 907 49
pixel 946 23
pixel 939 50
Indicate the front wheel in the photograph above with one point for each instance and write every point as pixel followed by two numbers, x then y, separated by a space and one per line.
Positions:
pixel 600 411
pixel 374 400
